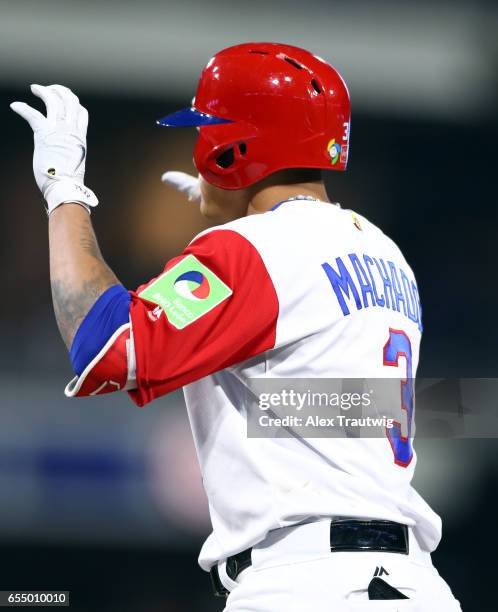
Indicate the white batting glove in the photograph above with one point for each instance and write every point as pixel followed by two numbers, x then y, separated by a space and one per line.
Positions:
pixel 184 183
pixel 60 146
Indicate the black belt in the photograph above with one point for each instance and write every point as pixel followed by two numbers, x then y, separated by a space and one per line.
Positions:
pixel 346 535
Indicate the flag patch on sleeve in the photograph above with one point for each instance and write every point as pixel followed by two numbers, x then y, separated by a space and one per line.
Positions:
pixel 187 292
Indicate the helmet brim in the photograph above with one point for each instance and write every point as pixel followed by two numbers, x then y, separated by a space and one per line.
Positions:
pixel 190 117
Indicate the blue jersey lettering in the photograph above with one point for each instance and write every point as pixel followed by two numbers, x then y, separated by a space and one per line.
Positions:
pixel 390 287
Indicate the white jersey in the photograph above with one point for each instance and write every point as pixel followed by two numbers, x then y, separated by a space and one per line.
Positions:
pixel 305 291
pixel 341 285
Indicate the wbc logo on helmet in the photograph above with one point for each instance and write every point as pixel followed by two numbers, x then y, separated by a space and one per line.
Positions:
pixel 192 285
pixel 334 150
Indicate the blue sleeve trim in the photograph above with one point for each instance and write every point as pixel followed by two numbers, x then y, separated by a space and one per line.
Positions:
pixel 109 313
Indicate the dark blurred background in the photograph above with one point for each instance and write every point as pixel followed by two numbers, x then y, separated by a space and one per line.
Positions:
pixel 105 500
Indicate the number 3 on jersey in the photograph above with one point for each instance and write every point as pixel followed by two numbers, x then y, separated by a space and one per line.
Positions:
pixel 398 346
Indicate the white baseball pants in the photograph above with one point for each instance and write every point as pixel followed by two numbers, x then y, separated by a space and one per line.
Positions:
pixel 293 570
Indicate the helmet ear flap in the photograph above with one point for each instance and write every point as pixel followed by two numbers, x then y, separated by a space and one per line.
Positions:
pixel 223 154
pixel 229 158
pixel 231 155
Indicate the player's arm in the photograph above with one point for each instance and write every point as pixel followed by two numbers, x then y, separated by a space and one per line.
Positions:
pixel 202 314
pixel 78 273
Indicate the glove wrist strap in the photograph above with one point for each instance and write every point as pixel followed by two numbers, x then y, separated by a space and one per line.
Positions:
pixel 63 191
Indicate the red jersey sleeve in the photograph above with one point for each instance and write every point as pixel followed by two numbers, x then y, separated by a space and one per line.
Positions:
pixel 212 307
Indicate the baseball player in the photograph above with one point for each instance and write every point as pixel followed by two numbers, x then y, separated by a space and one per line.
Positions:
pixel 285 284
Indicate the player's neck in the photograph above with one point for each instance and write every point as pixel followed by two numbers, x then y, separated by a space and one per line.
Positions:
pixel 266 198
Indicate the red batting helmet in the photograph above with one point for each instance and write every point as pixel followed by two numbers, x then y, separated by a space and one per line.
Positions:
pixel 263 107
